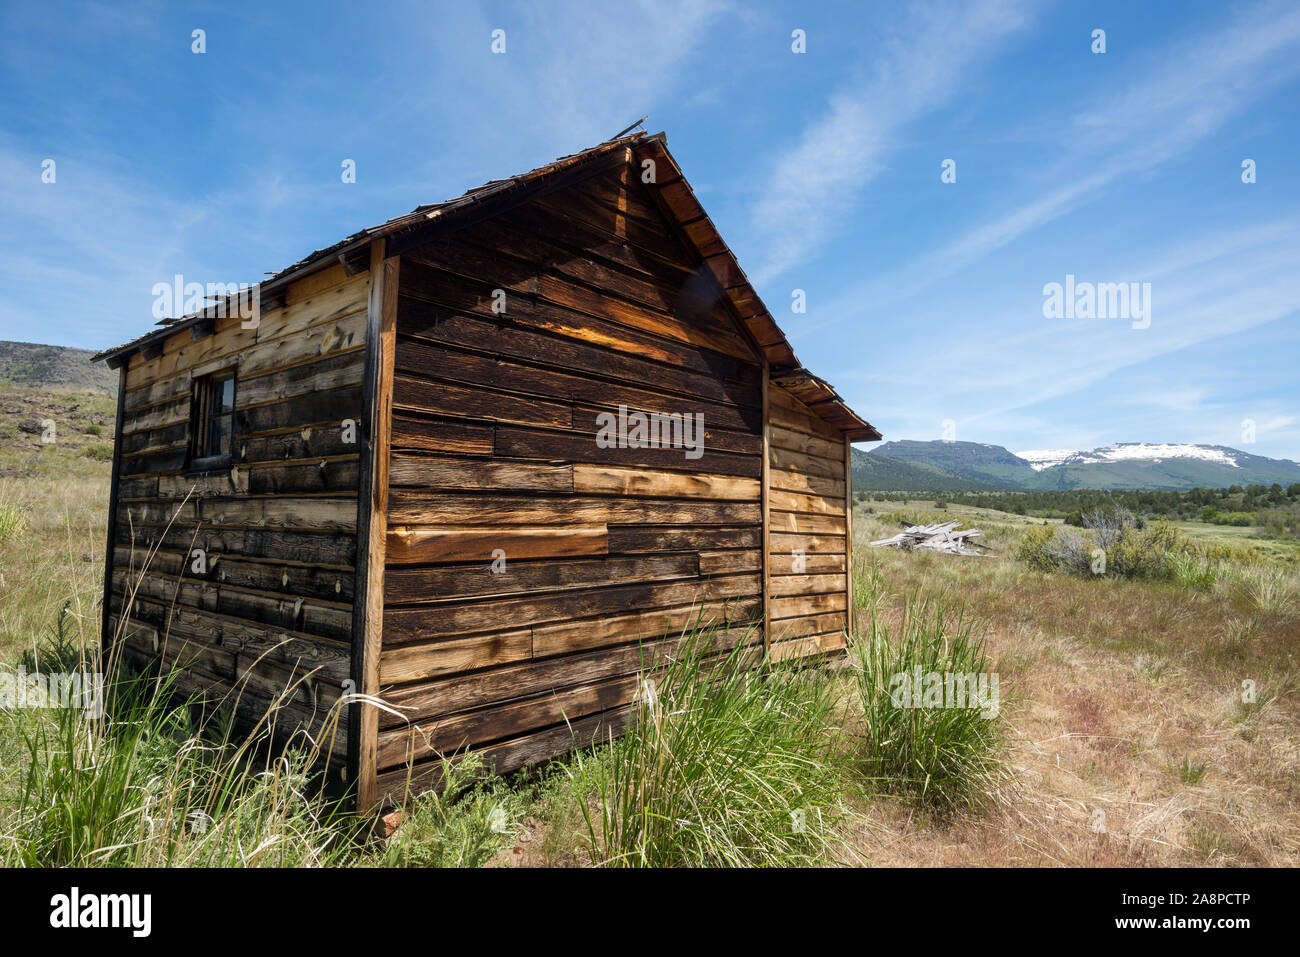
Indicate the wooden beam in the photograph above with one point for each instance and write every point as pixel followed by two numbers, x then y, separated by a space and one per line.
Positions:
pixel 372 520
pixel 767 520
pixel 272 299
pixel 354 261
pixel 105 633
pixel 849 617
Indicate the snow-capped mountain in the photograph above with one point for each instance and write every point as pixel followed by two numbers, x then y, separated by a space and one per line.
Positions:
pixel 1124 465
pixel 1040 459
pixel 1132 451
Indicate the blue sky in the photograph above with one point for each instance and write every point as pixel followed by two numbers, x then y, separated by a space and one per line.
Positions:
pixel 822 171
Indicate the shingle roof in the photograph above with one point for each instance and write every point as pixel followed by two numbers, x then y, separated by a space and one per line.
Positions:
pixel 677 199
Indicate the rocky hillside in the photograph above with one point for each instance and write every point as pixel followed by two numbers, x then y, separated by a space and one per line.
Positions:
pixel 54 367
pixel 52 433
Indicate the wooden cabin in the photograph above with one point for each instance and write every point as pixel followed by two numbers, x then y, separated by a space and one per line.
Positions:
pixel 427 472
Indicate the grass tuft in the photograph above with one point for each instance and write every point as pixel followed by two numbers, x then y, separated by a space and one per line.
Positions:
pixel 724 764
pixel 947 759
pixel 12 521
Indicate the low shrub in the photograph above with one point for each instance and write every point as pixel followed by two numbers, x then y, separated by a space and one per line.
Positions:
pixel 1156 552
pixel 465 822
pixel 1224 552
pixel 58 650
pixel 1237 519
pixel 1035 548
pixel 1146 553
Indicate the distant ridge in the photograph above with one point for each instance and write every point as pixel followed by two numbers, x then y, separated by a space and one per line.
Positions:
pixel 881 473
pixel 54 367
pixel 991 466
pixel 1140 466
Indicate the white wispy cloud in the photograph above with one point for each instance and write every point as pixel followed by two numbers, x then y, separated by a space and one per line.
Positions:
pixel 569 78
pixel 1218 285
pixel 1180 98
pixel 430 113
pixel 1204 297
pixel 812 187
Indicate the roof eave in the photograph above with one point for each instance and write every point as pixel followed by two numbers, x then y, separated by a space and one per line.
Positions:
pixel 678 200
pixel 448 211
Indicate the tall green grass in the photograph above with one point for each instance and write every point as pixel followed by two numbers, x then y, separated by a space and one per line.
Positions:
pixel 726 762
pixel 869 593
pixel 153 782
pixel 946 759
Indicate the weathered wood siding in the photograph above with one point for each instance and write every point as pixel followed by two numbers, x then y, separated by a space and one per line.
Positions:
pixel 494 451
pixel 278 528
pixel 808 529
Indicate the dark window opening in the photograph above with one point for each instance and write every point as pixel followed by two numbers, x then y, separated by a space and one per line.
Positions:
pixel 212 420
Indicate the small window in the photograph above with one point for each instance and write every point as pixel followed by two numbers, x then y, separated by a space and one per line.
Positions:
pixel 212 420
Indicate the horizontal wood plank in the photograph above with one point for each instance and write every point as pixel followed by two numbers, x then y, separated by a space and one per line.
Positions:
pixel 414 545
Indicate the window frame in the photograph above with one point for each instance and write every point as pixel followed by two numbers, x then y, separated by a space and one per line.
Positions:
pixel 199 458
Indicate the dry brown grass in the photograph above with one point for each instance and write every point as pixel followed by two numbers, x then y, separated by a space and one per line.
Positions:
pixel 1122 692
pixel 57 553
pixel 57 557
